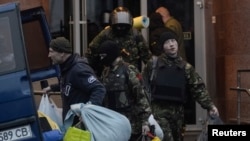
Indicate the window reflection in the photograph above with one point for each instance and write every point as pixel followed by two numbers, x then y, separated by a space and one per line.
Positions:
pixel 7 61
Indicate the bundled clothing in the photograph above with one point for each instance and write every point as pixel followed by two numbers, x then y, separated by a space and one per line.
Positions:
pixel 78 83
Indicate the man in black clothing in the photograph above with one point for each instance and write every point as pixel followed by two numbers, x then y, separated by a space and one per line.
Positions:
pixel 78 83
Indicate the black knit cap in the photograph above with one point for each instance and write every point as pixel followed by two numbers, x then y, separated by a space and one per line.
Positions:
pixel 61 44
pixel 166 36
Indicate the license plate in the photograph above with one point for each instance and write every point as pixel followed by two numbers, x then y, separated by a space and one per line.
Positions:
pixel 17 133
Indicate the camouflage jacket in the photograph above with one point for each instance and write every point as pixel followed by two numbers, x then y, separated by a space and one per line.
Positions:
pixel 195 84
pixel 133 46
pixel 139 110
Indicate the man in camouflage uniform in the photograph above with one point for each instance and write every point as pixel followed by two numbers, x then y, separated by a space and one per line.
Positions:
pixel 170 79
pixel 131 42
pixel 125 93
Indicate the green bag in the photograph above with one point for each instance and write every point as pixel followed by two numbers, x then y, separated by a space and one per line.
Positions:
pixel 75 134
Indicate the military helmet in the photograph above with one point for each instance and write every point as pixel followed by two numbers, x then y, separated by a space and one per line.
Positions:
pixel 121 15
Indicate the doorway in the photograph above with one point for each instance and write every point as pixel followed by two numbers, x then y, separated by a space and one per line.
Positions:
pixel 188 14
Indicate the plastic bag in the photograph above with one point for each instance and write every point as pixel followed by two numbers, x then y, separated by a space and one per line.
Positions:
pixel 49 121
pixel 103 123
pixel 158 131
pixel 49 108
pixel 58 112
pixel 53 135
pixel 76 134
pixel 149 137
pixel 211 120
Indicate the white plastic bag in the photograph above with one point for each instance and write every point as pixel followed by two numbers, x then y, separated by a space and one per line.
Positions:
pixel 103 123
pixel 58 112
pixel 49 108
pixel 158 131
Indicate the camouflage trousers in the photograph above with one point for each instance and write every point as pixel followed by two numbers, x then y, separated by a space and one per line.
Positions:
pixel 171 119
pixel 136 123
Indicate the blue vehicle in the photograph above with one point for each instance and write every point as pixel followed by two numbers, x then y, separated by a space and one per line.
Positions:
pixel 24 42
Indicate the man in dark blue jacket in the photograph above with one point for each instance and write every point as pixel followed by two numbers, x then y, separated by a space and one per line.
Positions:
pixel 78 83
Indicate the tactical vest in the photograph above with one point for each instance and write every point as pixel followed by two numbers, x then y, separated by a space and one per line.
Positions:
pixel 169 84
pixel 118 89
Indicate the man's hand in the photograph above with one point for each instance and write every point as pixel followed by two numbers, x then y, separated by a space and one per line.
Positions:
pixel 145 129
pixel 46 89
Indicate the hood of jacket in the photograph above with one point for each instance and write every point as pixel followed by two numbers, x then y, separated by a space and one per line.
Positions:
pixel 71 61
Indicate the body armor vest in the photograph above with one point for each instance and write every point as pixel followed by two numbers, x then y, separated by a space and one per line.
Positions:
pixel 118 89
pixel 169 84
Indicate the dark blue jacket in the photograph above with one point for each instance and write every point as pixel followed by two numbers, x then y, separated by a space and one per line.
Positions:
pixel 78 83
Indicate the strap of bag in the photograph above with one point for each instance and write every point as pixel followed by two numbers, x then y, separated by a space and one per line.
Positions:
pixel 154 64
pixel 152 76
pixel 80 125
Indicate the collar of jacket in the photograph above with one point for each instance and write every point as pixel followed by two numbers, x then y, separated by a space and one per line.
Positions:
pixel 71 61
pixel 166 60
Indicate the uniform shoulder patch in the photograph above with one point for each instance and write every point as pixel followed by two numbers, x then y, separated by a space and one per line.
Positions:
pixel 91 79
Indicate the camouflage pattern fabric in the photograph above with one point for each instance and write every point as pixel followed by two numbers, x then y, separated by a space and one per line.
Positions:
pixel 133 47
pixel 140 109
pixel 171 115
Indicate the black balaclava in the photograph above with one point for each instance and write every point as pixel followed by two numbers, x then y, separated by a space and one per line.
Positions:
pixel 109 51
pixel 121 29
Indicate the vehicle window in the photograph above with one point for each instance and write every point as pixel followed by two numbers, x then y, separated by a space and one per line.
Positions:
pixel 7 61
